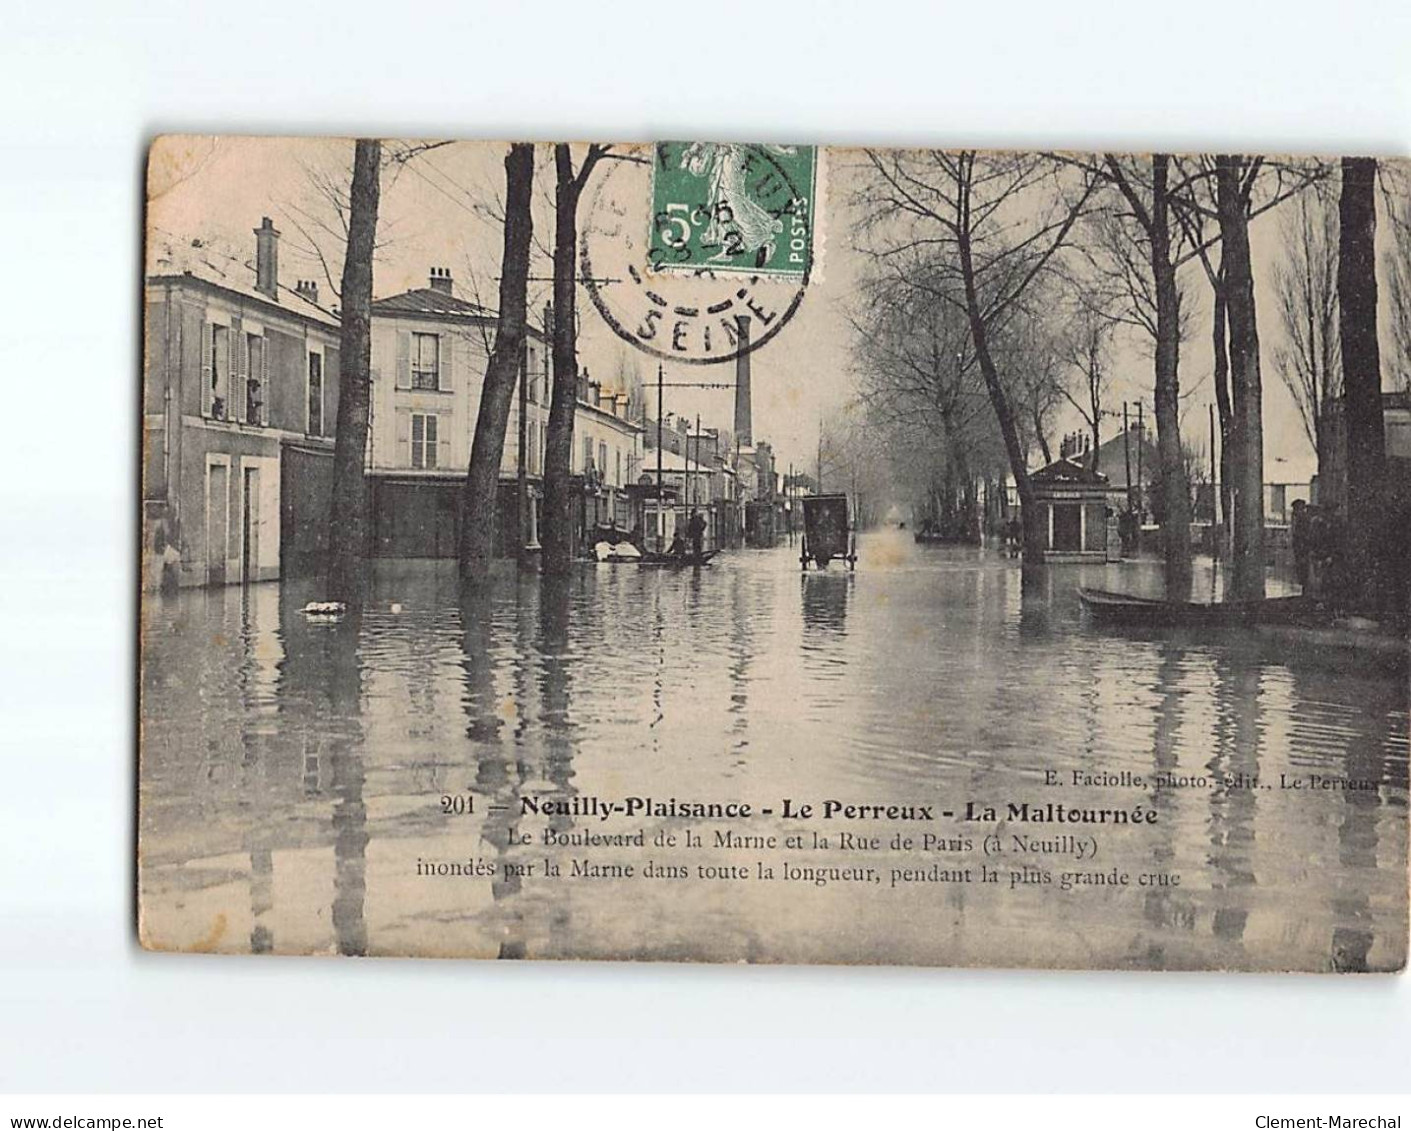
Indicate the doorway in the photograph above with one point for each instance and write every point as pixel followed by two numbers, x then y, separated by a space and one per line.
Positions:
pixel 250 527
pixel 217 521
pixel 1067 527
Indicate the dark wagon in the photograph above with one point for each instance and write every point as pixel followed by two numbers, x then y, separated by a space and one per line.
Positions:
pixel 827 532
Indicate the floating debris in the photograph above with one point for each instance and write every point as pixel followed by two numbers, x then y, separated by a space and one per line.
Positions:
pixel 325 610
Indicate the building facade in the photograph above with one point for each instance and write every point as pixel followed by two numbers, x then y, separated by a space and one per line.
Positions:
pixel 1073 505
pixel 430 353
pixel 239 370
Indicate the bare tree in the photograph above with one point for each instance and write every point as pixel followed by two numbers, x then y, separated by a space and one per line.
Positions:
pixel 322 215
pixel 1028 353
pixel 1309 359
pixel 1362 372
pixel 922 389
pixel 996 221
pixel 348 520
pixel 1085 346
pixel 1149 225
pixel 1233 176
pixel 1195 199
pixel 1396 266
pixel 477 540
pixel 557 535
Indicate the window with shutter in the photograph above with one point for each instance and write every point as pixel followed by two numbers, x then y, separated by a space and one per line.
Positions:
pixel 255 371
pixel 220 372
pixel 238 367
pixel 207 367
pixel 404 360
pixel 424 438
pixel 425 361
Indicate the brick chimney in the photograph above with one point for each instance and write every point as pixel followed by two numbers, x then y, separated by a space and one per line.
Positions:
pixel 267 259
pixel 441 280
pixel 743 432
pixel 307 289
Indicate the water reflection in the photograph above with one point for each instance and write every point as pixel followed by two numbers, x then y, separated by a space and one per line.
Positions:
pixel 294 772
pixel 825 600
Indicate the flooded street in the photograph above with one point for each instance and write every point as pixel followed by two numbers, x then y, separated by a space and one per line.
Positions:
pixel 307 785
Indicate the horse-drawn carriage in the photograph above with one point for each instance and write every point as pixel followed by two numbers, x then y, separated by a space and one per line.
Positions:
pixel 828 532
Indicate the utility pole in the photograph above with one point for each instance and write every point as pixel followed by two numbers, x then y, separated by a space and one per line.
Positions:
pixel 693 468
pixel 661 520
pixel 820 457
pixel 1141 443
pixel 789 502
pixel 661 385
pixel 1127 451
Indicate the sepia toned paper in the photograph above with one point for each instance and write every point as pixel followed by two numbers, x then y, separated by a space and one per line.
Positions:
pixel 960 559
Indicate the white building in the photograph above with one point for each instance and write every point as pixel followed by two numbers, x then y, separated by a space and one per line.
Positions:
pixel 430 353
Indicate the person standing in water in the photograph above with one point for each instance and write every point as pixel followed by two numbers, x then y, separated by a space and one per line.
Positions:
pixel 695 530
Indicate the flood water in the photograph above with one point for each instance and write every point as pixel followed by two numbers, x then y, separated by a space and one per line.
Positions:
pixel 302 782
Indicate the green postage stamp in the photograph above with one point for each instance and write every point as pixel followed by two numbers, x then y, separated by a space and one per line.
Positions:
pixel 733 207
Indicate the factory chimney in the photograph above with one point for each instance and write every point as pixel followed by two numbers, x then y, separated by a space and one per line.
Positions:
pixel 743 432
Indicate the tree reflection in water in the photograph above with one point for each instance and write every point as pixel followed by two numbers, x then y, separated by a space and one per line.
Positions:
pixel 292 769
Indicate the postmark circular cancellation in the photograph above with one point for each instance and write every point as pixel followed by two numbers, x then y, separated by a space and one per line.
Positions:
pixel 686 249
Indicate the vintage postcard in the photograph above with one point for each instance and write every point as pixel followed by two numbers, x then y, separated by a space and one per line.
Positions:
pixel 770 553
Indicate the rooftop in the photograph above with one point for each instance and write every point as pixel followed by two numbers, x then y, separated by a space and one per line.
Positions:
pixel 171 256
pixel 430 302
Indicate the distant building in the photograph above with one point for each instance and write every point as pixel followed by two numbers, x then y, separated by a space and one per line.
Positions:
pixel 698 474
pixel 1073 504
pixel 1133 452
pixel 239 399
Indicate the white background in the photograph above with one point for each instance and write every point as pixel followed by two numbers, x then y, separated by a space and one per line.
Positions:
pixel 83 84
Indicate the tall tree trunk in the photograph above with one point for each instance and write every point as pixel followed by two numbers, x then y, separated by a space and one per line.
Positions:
pixel 1247 573
pixel 1175 496
pixel 1035 532
pixel 482 480
pixel 556 536
pixel 1224 410
pixel 1361 373
pixel 348 519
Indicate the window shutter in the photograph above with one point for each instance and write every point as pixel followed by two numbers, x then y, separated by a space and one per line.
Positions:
pixel 206 372
pixel 404 359
pixel 445 351
pixel 264 381
pixel 239 368
pixel 431 452
pixel 404 439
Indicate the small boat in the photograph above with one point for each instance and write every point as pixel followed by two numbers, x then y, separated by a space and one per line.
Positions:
pixel 325 610
pixel 1106 607
pixel 652 558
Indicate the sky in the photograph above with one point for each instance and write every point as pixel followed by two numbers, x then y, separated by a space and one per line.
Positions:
pixel 440 210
